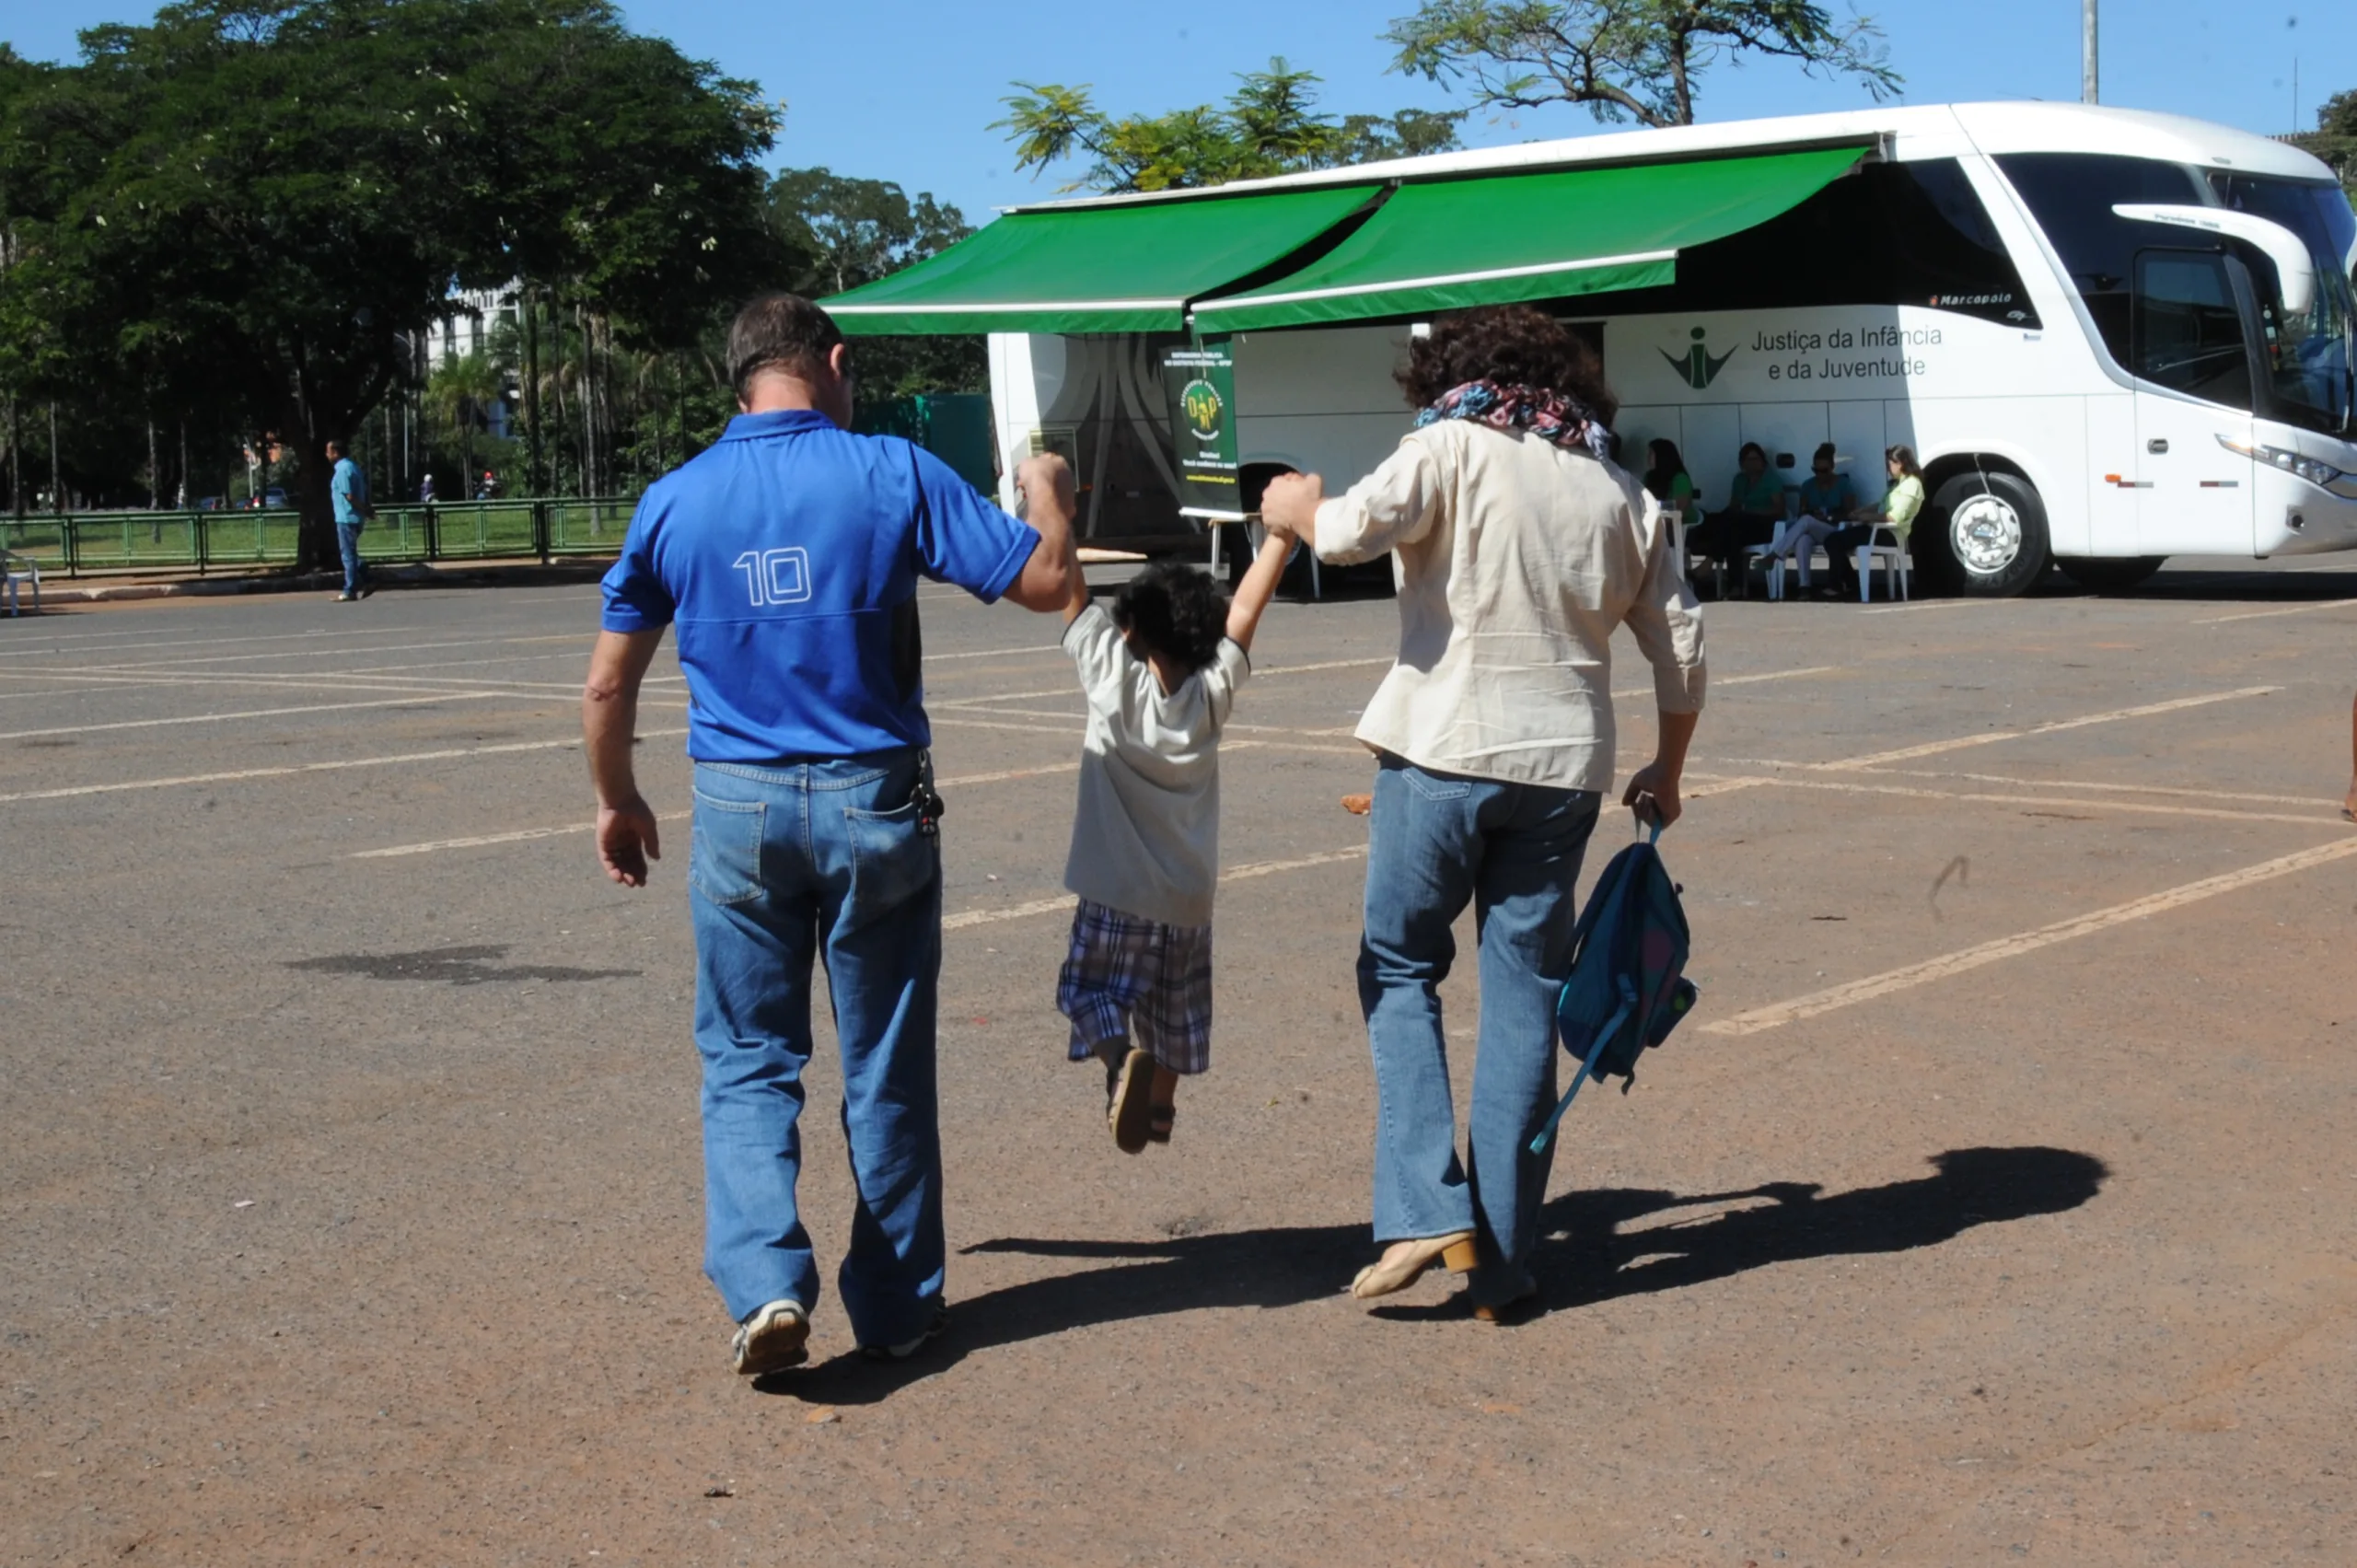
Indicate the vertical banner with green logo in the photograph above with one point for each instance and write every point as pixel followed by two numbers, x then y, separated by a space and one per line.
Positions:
pixel 1198 379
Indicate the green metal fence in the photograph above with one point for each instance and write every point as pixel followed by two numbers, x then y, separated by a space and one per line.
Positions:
pixel 87 543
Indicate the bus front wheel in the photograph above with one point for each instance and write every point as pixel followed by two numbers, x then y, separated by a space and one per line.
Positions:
pixel 1990 536
pixel 2108 574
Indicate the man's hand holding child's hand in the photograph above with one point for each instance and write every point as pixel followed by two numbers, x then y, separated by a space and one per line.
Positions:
pixel 1289 506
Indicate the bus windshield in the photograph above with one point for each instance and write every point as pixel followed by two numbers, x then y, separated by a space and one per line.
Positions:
pixel 2308 356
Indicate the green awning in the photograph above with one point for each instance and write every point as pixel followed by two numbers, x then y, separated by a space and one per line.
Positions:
pixel 1497 239
pixel 1120 268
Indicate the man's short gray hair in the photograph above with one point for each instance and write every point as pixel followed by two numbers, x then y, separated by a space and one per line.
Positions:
pixel 780 331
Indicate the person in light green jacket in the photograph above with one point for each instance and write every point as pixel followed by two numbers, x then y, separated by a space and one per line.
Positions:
pixel 1886 521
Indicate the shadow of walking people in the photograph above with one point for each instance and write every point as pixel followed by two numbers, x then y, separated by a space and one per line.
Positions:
pixel 1589 1256
pixel 1585 1259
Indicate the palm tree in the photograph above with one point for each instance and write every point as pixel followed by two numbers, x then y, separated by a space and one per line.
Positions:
pixel 460 394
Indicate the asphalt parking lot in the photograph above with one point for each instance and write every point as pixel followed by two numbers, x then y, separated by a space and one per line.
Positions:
pixel 1995 1206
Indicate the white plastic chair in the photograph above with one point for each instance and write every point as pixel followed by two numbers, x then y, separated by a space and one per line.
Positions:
pixel 15 569
pixel 1894 559
pixel 1774 552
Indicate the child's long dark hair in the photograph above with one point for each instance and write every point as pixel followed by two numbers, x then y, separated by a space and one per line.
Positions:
pixel 1173 610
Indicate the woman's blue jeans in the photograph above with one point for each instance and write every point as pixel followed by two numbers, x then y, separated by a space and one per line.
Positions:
pixel 1438 842
pixel 789 863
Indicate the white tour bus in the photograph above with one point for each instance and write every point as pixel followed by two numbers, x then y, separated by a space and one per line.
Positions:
pixel 2110 337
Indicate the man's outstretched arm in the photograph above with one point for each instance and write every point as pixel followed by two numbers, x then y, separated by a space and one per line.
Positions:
pixel 1051 578
pixel 626 832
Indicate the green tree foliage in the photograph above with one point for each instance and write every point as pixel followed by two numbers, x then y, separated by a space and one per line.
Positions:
pixel 256 205
pixel 1640 60
pixel 2335 137
pixel 843 232
pixel 460 396
pixel 1269 125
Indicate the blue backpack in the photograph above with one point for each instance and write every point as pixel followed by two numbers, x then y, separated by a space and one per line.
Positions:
pixel 1628 987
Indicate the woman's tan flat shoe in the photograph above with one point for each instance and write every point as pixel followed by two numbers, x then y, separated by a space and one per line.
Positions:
pixel 1404 1262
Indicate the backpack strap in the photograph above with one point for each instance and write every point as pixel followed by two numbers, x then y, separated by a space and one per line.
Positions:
pixel 1603 1037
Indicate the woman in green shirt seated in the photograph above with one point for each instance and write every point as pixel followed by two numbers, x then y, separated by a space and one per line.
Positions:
pixel 1885 523
pixel 1754 502
pixel 1667 481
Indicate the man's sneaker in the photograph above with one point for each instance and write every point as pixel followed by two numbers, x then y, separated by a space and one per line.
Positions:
pixel 347 598
pixel 771 1339
pixel 908 1348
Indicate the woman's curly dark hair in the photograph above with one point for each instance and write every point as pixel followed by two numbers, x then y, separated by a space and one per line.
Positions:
pixel 1173 610
pixel 1515 344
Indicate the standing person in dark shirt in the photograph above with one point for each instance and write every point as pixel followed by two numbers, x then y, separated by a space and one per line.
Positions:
pixel 788 555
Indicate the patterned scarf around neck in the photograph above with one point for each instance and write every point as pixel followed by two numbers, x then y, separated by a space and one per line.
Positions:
pixel 1548 415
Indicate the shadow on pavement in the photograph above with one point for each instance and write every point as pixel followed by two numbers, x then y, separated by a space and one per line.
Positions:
pixel 1585 1258
pixel 454 966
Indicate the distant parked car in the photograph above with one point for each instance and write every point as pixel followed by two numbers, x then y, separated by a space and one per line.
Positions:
pixel 211 503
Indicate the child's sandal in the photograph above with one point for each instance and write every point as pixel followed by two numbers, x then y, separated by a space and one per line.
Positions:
pixel 1159 1122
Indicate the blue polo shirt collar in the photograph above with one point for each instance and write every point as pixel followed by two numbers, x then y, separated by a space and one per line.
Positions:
pixel 777 422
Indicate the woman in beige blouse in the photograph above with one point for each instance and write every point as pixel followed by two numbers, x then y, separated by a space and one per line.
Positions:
pixel 1518 548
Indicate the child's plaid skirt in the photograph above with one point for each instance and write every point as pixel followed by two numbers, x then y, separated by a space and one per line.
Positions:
pixel 1139 981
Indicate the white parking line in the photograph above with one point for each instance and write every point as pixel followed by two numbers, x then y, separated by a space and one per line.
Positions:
pixel 964 918
pixel 940 720
pixel 1630 693
pixel 2212 792
pixel 482 841
pixel 108 684
pixel 1933 748
pixel 978 703
pixel 1775 674
pixel 153 666
pixel 1276 669
pixel 583 824
pixel 2265 614
pixel 1910 792
pixel 1933 604
pixel 1960 962
pixel 294 768
pixel 996 653
pixel 421 700
pixel 329 681
pixel 107 643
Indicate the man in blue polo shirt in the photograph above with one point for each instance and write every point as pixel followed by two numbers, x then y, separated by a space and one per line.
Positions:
pixel 788 556
pixel 348 490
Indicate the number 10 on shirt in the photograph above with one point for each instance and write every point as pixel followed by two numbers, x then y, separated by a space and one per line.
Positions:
pixel 775 576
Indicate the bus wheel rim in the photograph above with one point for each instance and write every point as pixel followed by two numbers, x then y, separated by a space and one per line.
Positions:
pixel 1987 534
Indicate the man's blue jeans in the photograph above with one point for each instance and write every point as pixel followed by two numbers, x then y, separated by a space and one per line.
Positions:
pixel 1438 842
pixel 819 860
pixel 355 571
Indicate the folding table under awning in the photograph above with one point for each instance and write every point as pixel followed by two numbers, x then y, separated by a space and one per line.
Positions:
pixel 1117 267
pixel 1505 239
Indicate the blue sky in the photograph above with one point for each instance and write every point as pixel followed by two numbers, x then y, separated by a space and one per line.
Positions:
pixel 907 91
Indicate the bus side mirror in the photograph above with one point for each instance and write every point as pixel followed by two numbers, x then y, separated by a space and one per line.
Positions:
pixel 2296 270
